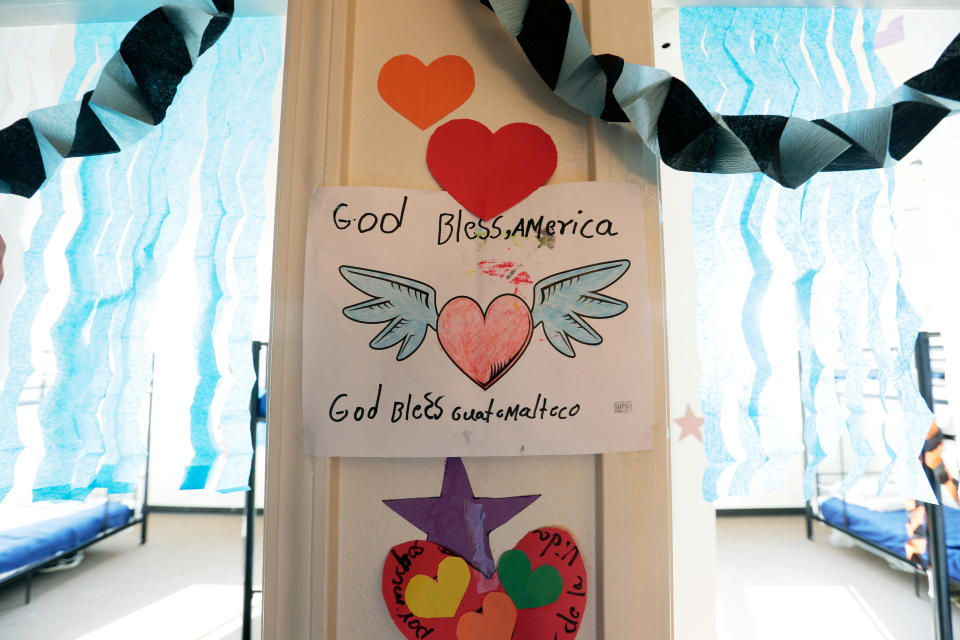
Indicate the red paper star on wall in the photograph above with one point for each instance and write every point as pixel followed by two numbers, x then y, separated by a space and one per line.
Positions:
pixel 690 425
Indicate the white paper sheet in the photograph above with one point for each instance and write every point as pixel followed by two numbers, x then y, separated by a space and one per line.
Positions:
pixel 361 401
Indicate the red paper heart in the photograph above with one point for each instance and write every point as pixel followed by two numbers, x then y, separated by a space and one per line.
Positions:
pixel 419 557
pixel 556 547
pixel 490 172
pixel 425 94
pixel 485 345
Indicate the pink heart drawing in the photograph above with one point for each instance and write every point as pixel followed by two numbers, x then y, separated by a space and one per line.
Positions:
pixel 485 345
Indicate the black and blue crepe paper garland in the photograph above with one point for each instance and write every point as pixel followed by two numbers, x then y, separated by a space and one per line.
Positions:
pixel 140 82
pixel 688 137
pixel 132 95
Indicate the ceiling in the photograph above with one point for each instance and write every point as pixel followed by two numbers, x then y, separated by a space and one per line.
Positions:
pixel 32 12
pixel 876 4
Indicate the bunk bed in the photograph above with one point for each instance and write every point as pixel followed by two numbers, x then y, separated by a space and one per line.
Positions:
pixel 881 523
pixel 44 534
pixel 39 536
pixel 884 531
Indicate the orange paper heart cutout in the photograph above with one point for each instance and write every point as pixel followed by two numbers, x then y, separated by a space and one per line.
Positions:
pixel 425 94
pixel 495 623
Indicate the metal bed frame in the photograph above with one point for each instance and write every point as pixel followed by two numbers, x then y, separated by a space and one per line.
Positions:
pixel 249 506
pixel 940 580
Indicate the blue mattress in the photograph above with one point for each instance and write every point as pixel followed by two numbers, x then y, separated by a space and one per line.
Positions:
pixel 31 543
pixel 888 529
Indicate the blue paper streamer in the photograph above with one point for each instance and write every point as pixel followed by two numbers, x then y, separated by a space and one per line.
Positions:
pixel 135 206
pixel 261 54
pixel 240 132
pixel 220 108
pixel 159 190
pixel 800 234
pixel 58 454
pixel 775 94
pixel 711 272
pixel 68 413
pixel 752 60
pixel 852 199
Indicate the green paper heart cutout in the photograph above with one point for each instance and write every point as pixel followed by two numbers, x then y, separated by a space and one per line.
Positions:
pixel 528 589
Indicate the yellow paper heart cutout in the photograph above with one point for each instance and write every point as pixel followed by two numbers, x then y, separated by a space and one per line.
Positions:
pixel 440 598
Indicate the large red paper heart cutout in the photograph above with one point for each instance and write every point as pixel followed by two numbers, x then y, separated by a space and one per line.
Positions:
pixel 485 345
pixel 490 172
pixel 555 547
pixel 424 94
pixel 419 557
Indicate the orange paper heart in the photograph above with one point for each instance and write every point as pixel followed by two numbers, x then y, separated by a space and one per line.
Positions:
pixel 425 94
pixel 495 623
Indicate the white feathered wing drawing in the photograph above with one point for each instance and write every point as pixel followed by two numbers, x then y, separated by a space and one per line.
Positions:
pixel 561 304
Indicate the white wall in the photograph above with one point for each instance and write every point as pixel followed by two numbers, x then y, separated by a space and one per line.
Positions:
pixel 694 525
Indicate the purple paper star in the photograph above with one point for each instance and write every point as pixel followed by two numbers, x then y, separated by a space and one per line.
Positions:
pixel 458 520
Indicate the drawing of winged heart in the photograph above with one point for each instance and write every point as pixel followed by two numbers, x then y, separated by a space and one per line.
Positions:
pixel 485 345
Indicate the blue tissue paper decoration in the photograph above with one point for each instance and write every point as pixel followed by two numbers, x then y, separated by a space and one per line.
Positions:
pixel 135 210
pixel 237 144
pixel 62 448
pixel 68 413
pixel 782 61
